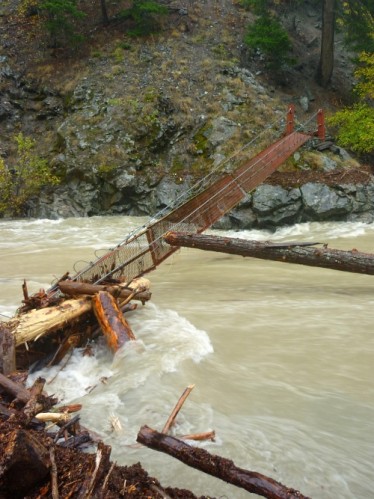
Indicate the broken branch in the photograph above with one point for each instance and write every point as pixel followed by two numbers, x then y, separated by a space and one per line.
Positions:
pixel 216 466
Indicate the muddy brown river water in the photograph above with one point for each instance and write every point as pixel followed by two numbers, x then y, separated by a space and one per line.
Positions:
pixel 281 355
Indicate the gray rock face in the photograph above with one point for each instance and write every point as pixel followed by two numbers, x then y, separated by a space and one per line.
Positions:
pixel 222 129
pixel 276 206
pixel 322 202
pixel 268 207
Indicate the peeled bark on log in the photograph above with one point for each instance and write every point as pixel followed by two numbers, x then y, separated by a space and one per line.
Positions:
pixel 216 466
pixel 299 253
pixel 72 288
pixel 113 324
pixel 37 323
pixel 52 417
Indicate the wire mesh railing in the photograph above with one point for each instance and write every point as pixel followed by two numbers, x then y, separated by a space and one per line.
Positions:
pixel 143 250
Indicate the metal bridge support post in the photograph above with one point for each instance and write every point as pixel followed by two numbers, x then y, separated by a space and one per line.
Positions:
pixel 321 130
pixel 290 119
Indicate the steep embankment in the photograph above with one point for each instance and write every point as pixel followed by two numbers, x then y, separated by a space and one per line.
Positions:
pixel 130 123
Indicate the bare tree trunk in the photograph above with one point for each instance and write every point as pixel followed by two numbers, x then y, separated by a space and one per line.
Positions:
pixel 300 253
pixel 104 12
pixel 326 62
pixel 216 466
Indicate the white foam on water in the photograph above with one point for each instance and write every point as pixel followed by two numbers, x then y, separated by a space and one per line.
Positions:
pixel 305 231
pixel 165 340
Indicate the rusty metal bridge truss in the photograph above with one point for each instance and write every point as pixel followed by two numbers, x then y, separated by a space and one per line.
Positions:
pixel 144 249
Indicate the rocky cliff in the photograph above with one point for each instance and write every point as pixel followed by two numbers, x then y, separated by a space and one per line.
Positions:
pixel 128 124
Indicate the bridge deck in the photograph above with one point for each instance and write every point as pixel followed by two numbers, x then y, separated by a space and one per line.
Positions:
pixel 143 251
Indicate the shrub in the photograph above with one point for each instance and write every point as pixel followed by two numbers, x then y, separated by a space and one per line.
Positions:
pixel 27 178
pixel 356 123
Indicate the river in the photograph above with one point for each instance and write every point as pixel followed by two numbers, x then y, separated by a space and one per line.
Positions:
pixel 281 355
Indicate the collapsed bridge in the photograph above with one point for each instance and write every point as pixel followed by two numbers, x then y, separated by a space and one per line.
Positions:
pixel 144 249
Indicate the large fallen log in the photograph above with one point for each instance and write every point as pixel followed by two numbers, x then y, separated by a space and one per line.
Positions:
pixel 300 253
pixel 37 323
pixel 72 288
pixel 216 466
pixel 113 324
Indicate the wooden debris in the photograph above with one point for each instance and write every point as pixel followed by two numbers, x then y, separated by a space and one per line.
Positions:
pixel 216 466
pixel 7 349
pixel 19 392
pixel 37 323
pixel 24 463
pixel 101 465
pixel 207 435
pixel 55 494
pixel 177 408
pixel 54 417
pixel 69 408
pixel 300 253
pixel 37 402
pixel 113 324
pixel 72 288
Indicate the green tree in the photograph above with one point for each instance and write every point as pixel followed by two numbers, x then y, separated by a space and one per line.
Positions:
pixel 354 17
pixel 27 178
pixel 268 35
pixel 355 124
pixel 146 16
pixel 59 17
pixel 357 19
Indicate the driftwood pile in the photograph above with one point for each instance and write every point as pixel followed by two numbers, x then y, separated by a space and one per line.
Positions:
pixel 51 324
pixel 41 454
pixel 41 444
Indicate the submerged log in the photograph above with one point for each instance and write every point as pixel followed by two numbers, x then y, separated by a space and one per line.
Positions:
pixel 113 324
pixel 299 253
pixel 72 288
pixel 216 466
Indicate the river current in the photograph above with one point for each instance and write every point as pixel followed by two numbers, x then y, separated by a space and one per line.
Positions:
pixel 281 355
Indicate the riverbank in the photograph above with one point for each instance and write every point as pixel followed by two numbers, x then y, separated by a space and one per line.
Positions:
pixel 33 465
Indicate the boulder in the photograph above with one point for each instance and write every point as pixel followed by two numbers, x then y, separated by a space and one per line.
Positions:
pixel 321 202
